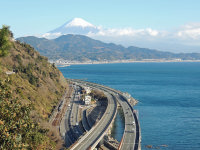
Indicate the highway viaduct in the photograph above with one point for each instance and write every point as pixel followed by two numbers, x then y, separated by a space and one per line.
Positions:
pixel 89 140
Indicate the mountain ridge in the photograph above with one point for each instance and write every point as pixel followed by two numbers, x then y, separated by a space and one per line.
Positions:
pixel 82 48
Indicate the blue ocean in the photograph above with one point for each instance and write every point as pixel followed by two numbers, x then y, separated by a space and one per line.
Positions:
pixel 168 95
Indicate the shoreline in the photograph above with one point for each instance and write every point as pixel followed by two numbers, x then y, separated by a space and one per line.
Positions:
pixel 62 64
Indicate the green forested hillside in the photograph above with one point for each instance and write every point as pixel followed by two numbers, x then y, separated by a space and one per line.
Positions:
pixel 83 48
pixel 30 87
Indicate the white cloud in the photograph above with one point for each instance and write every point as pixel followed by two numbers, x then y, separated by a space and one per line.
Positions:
pixel 152 32
pixel 125 32
pixel 184 39
pixel 51 35
pixel 191 32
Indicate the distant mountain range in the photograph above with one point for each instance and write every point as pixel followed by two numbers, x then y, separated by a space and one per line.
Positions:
pixel 82 48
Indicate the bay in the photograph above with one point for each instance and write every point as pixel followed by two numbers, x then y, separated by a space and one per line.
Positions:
pixel 168 94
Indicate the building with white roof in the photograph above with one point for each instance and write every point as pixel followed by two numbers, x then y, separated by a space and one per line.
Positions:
pixel 87 100
pixel 87 90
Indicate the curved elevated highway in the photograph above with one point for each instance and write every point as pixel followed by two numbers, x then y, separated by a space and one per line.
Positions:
pixel 131 136
pixel 93 137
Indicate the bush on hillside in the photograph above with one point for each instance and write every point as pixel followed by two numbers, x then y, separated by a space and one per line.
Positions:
pixel 17 129
pixel 5 44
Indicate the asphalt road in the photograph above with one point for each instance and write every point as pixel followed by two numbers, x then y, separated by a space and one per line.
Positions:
pixel 100 128
pixel 74 114
pixel 70 128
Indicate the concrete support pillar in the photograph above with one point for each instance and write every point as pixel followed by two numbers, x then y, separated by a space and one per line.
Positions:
pixel 101 142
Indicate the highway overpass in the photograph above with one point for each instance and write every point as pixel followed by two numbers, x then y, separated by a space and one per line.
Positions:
pixel 131 137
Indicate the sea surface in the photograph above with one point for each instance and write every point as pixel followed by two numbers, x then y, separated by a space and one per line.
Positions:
pixel 168 94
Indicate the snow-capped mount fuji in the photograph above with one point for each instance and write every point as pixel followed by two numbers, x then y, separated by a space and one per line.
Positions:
pixel 74 26
pixel 79 22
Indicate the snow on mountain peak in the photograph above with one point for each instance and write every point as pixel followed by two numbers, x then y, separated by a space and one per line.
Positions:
pixel 79 22
pixel 74 26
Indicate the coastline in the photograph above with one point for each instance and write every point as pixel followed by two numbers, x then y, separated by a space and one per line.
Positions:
pixel 60 63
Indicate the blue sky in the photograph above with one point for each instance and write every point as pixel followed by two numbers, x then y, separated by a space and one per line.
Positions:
pixel 39 16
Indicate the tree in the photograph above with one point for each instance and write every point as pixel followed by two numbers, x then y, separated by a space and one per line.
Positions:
pixel 5 43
